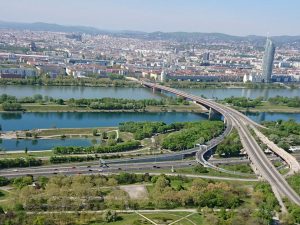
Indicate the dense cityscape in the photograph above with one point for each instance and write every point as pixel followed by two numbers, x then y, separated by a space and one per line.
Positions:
pixel 116 126
pixel 28 53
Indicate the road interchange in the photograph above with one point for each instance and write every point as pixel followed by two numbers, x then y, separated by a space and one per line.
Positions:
pixel 256 155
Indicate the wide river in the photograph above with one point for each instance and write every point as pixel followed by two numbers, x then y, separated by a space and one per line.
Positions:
pixel 138 93
pixel 24 121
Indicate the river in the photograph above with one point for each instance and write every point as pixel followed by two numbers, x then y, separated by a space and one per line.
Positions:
pixel 66 92
pixel 27 121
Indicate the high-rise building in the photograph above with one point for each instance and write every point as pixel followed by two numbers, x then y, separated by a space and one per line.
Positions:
pixel 205 56
pixel 267 65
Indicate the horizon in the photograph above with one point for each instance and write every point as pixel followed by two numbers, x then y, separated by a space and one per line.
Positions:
pixel 231 17
pixel 124 30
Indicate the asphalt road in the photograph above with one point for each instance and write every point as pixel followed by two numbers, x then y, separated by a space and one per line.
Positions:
pixel 238 120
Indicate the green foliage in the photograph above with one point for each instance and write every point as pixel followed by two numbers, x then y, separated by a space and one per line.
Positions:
pixel 143 130
pixel 4 181
pixel 244 102
pixel 121 104
pixel 230 146
pixel 191 133
pixel 110 216
pixel 120 147
pixel 283 133
pixel 11 106
pixel 65 159
pixel 200 169
pixel 290 102
pixel 200 193
pixel 21 182
pixel 294 181
pixel 20 162
pixel 95 132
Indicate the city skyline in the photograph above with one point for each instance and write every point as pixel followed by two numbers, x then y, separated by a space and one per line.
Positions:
pixel 230 17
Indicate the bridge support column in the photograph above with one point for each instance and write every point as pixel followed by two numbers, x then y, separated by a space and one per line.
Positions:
pixel 214 115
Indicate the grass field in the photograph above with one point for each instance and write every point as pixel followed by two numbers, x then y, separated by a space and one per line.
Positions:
pixel 162 218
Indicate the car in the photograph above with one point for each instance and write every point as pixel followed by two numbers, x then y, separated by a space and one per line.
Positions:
pixel 55 169
pixel 54 173
pixel 90 170
pixel 119 168
pixel 88 166
pixel 15 170
pixel 74 167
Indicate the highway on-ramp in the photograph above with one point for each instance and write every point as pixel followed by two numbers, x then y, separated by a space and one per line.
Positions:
pixel 242 123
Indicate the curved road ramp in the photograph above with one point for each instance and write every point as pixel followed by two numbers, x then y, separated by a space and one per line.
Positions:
pixel 242 123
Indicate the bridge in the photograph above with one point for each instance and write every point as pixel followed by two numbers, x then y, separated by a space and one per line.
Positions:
pixel 244 126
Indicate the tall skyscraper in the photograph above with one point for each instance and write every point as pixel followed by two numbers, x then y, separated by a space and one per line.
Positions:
pixel 267 65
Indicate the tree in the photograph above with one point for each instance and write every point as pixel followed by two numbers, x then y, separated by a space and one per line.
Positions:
pixel 104 135
pixel 1 210
pixel 95 132
pixel 39 220
pixel 110 216
pixel 60 101
pixel 26 150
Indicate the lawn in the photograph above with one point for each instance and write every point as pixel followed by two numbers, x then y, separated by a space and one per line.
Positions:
pixel 159 218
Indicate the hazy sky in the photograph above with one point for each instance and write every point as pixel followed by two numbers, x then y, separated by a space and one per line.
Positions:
pixel 241 17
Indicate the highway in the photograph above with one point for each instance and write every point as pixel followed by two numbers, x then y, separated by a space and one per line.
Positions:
pixel 242 124
pixel 138 168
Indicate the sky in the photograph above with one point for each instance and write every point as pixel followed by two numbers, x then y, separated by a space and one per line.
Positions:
pixel 237 17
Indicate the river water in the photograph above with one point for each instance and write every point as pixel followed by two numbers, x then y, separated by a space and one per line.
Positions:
pixel 26 121
pixel 66 92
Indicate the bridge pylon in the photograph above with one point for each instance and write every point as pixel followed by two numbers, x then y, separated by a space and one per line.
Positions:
pixel 214 115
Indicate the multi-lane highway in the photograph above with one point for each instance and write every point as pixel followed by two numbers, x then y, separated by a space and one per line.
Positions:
pixel 242 124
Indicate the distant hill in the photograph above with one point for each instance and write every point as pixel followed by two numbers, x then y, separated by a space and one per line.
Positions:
pixel 178 36
pixel 48 27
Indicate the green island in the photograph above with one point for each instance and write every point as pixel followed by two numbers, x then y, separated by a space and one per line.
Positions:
pixel 39 103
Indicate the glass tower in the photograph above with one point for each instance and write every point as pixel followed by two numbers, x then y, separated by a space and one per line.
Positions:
pixel 267 65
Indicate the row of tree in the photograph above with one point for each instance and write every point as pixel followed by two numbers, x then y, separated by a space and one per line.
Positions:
pixel 70 81
pixel 120 147
pixel 11 102
pixel 290 102
pixel 19 162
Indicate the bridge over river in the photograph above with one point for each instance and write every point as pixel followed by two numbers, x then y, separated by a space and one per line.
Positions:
pixel 246 129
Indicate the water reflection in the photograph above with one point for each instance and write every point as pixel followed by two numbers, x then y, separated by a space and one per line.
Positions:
pixel 39 120
pixel 42 144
